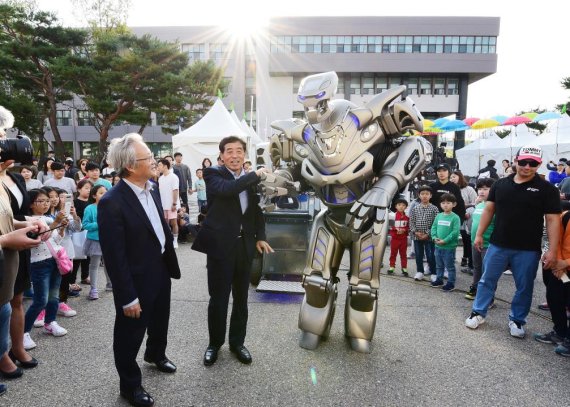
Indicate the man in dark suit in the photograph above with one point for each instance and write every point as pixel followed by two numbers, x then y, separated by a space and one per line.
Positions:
pixel 231 232
pixel 140 258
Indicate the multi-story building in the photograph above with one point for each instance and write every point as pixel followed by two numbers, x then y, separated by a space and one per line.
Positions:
pixel 435 57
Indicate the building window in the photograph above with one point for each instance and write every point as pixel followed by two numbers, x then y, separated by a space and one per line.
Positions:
pixel 218 52
pixel 89 149
pixel 63 117
pixel 160 149
pixel 85 118
pixel 368 84
pixel 381 84
pixel 383 44
pixel 196 52
pixel 412 86
pixel 453 86
pixel 355 85
pixel 299 114
pixel 395 81
pixel 439 86
pixel 425 86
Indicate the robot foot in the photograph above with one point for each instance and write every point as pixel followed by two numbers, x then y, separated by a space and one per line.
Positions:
pixel 309 340
pixel 360 345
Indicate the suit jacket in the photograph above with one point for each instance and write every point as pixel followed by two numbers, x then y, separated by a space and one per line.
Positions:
pixel 131 249
pixel 225 221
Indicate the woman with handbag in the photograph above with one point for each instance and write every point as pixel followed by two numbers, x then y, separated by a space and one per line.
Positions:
pixel 44 271
pixel 73 226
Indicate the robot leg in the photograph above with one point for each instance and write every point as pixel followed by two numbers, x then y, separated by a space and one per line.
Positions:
pixel 320 283
pixel 361 305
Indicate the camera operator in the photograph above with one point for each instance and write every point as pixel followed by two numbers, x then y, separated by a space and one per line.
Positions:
pixel 12 239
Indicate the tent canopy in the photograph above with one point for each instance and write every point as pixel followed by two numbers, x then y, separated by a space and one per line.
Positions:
pixel 202 139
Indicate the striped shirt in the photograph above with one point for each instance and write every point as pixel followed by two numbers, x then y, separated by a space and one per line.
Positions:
pixel 421 219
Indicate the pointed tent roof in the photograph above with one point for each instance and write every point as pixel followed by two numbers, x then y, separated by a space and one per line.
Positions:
pixel 213 127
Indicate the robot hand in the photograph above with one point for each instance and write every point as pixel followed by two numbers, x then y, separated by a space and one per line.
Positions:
pixel 273 185
pixel 371 207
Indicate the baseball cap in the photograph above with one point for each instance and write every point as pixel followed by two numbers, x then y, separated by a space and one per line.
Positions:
pixel 443 166
pixel 530 153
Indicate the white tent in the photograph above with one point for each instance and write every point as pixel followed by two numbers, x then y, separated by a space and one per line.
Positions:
pixel 475 155
pixel 202 139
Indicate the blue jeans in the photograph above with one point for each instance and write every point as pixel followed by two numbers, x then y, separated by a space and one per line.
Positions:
pixel 445 260
pixel 419 247
pixel 5 312
pixel 45 280
pixel 524 264
pixel 201 202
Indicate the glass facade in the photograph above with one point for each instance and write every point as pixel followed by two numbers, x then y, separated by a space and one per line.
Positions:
pixel 85 118
pixel 401 44
pixel 372 84
pixel 196 52
pixel 63 117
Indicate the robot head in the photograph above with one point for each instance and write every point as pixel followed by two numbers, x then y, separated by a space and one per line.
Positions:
pixel 314 93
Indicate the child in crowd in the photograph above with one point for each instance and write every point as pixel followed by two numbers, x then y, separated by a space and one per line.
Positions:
pixel 31 183
pixel 92 248
pixel 399 237
pixel 483 188
pixel 80 203
pixel 200 188
pixel 421 220
pixel 445 234
pixel 74 225
pixel 44 273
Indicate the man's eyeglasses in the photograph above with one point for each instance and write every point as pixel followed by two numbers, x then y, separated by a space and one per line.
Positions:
pixel 531 163
pixel 149 158
pixel 41 201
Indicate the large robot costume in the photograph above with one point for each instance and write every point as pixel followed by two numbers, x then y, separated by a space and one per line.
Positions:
pixel 356 159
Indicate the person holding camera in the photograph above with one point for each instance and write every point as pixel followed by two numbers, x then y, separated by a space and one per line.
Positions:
pixel 13 237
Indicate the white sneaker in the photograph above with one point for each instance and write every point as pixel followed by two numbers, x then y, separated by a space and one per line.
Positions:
pixel 54 329
pixel 433 278
pixel 515 330
pixel 474 321
pixel 419 276
pixel 39 322
pixel 508 272
pixel 66 310
pixel 28 342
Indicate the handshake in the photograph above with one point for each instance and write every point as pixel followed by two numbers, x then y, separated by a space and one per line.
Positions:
pixel 273 185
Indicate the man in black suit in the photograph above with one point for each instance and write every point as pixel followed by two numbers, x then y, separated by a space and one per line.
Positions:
pixel 231 232
pixel 140 258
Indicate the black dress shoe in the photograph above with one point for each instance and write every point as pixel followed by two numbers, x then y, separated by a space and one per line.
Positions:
pixel 164 365
pixel 211 355
pixel 242 354
pixel 138 397
pixel 30 364
pixel 13 374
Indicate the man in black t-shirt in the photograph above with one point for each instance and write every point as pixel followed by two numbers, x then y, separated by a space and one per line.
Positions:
pixel 520 203
pixel 444 186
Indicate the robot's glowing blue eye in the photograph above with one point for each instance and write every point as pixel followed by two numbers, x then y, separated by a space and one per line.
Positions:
pixel 301 97
pixel 320 95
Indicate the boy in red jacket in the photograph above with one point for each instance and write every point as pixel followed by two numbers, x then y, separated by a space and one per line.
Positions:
pixel 399 234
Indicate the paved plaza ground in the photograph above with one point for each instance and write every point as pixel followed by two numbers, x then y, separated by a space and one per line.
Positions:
pixel 422 354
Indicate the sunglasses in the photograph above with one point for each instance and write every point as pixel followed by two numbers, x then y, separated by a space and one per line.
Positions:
pixel 531 163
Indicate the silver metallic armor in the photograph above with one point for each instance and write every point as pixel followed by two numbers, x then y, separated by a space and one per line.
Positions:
pixel 356 159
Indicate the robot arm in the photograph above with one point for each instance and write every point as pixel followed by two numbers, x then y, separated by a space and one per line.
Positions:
pixel 400 167
pixel 279 183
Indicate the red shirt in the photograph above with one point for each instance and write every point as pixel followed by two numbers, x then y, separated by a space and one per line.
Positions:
pixel 402 224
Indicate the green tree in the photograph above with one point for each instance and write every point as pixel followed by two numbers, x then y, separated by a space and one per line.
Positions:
pixel 532 125
pixel 564 107
pixel 33 46
pixel 123 78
